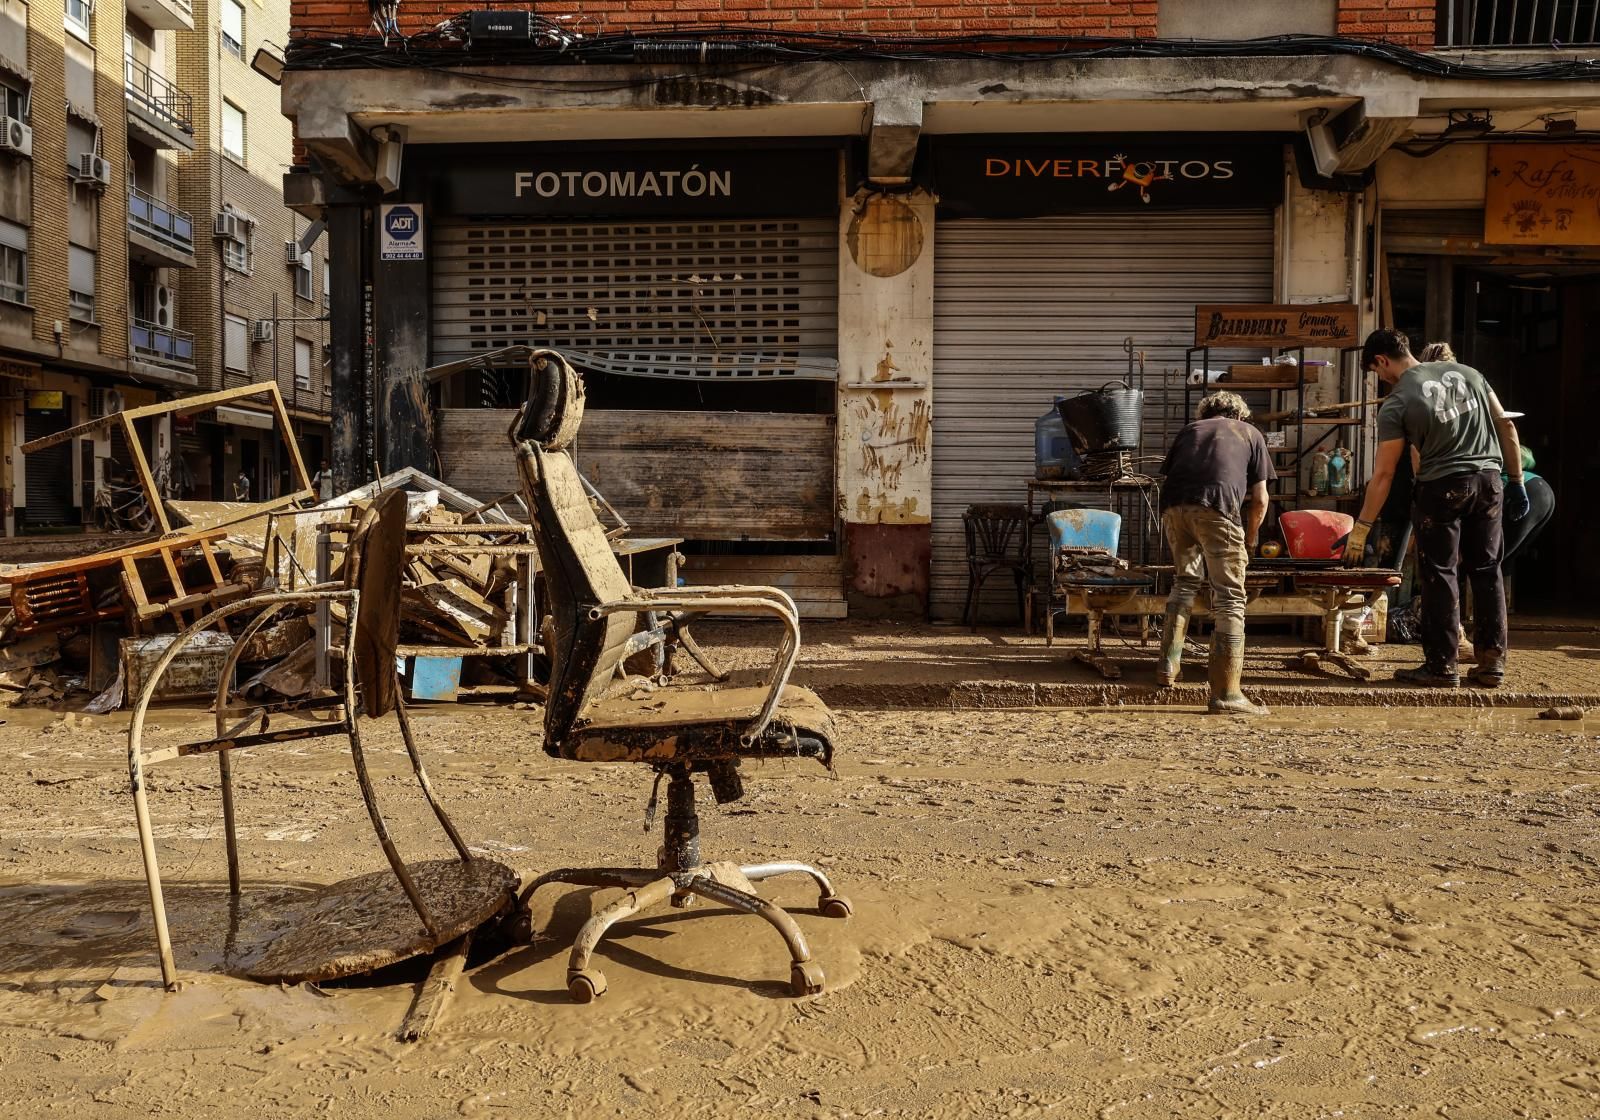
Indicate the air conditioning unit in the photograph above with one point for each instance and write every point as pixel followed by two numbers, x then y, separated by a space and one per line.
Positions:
pixel 165 307
pixel 228 227
pixel 104 402
pixel 261 330
pixel 93 170
pixel 16 137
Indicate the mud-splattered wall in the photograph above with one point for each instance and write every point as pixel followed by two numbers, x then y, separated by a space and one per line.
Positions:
pixel 885 393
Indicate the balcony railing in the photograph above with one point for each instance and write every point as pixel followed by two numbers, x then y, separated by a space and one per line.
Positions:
pixel 156 220
pixel 162 345
pixel 157 96
pixel 1518 23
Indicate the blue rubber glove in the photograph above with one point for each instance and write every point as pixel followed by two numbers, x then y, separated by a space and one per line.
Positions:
pixel 1516 501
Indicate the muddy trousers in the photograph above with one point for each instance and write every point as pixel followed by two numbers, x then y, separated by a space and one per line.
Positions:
pixel 1459 536
pixel 1207 546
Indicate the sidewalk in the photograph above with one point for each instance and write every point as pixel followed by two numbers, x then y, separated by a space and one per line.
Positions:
pixel 875 664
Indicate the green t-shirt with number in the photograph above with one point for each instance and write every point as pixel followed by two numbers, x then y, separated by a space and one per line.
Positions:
pixel 1442 409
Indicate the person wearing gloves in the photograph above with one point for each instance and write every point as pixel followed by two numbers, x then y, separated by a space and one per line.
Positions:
pixel 1464 439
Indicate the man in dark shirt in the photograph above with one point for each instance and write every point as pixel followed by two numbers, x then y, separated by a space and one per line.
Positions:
pixel 1213 501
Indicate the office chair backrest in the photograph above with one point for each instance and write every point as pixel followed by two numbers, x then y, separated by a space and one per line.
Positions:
pixel 1084 528
pixel 580 569
pixel 372 566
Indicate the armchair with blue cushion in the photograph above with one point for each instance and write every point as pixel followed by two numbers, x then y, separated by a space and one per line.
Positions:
pixel 1083 548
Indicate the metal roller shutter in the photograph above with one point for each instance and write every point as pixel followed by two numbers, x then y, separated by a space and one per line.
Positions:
pixel 629 288
pixel 48 489
pixel 1025 310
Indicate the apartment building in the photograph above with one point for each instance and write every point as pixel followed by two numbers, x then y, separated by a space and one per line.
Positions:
pixel 145 250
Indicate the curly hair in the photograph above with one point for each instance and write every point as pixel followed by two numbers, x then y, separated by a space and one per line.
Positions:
pixel 1225 404
pixel 1437 352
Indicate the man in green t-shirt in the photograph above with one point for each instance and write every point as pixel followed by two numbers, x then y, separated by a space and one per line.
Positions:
pixel 1463 438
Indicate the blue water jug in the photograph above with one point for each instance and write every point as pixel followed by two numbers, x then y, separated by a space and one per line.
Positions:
pixel 1053 456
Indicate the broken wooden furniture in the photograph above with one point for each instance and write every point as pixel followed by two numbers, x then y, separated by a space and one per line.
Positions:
pixel 998 540
pixel 1084 562
pixel 677 732
pixel 111 585
pixel 363 923
pixel 185 406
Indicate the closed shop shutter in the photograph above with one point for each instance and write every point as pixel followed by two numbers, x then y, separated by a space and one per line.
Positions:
pixel 1453 232
pixel 1029 309
pixel 49 472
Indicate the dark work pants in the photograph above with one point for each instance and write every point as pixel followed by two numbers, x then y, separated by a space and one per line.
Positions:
pixel 1541 508
pixel 1459 535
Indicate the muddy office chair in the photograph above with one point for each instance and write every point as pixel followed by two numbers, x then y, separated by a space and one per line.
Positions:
pixel 677 732
pixel 448 897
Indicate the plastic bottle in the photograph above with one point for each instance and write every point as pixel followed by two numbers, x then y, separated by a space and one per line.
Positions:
pixel 1339 471
pixel 1052 448
pixel 1319 472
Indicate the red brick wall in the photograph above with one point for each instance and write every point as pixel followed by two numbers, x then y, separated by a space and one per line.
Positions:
pixel 1399 21
pixel 1114 18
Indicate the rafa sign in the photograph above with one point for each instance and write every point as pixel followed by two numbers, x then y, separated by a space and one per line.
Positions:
pixel 1542 194
pixel 1332 325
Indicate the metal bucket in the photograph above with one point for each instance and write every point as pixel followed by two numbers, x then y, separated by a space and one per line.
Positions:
pixel 1105 419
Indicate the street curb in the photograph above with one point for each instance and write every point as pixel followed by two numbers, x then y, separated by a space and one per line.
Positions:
pixel 1001 695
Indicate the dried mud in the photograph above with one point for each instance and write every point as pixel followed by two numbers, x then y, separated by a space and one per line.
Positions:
pixel 1102 913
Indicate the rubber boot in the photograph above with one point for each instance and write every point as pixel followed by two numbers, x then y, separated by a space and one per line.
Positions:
pixel 1490 670
pixel 1225 670
pixel 1174 628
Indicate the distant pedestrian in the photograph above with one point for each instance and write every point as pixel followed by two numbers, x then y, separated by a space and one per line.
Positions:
pixel 241 487
pixel 322 482
pixel 1213 500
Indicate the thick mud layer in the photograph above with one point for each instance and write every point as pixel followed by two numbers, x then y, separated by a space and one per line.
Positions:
pixel 1102 913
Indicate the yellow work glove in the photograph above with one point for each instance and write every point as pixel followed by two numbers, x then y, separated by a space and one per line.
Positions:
pixel 1355 545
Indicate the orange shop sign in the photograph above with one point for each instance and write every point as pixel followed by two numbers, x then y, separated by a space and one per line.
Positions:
pixel 1542 194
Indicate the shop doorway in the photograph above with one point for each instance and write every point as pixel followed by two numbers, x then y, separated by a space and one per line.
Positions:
pixel 1529 330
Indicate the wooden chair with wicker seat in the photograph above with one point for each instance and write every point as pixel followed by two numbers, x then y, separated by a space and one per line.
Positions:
pixel 437 900
pixel 680 733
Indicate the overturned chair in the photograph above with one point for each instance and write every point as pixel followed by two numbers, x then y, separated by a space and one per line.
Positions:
pixel 678 732
pixel 363 923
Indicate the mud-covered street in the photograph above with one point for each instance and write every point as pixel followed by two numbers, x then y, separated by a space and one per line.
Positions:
pixel 1098 913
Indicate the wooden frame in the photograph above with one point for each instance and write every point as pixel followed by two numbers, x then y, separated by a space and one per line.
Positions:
pixel 182 407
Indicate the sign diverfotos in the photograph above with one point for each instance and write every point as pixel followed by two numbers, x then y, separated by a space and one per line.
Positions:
pixel 400 234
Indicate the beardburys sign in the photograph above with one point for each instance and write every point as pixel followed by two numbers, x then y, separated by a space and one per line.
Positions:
pixel 1331 325
pixel 1011 178
pixel 562 182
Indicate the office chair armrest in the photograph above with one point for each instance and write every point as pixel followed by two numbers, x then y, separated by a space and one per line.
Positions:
pixel 749 602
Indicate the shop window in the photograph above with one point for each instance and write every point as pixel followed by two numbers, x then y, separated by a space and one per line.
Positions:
pixel 13 263
pixel 80 284
pixel 233 131
pixel 236 343
pixel 233 27
pixel 78 12
pixel 302 365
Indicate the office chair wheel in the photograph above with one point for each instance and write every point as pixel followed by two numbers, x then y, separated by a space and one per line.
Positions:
pixel 520 927
pixel 835 906
pixel 586 985
pixel 805 978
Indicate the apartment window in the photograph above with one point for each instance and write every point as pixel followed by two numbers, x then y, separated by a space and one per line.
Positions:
pixel 302 365
pixel 233 27
pixel 236 343
pixel 13 102
pixel 327 283
pixel 80 284
pixel 13 263
pixel 302 277
pixel 78 16
pixel 238 253
pixel 233 131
